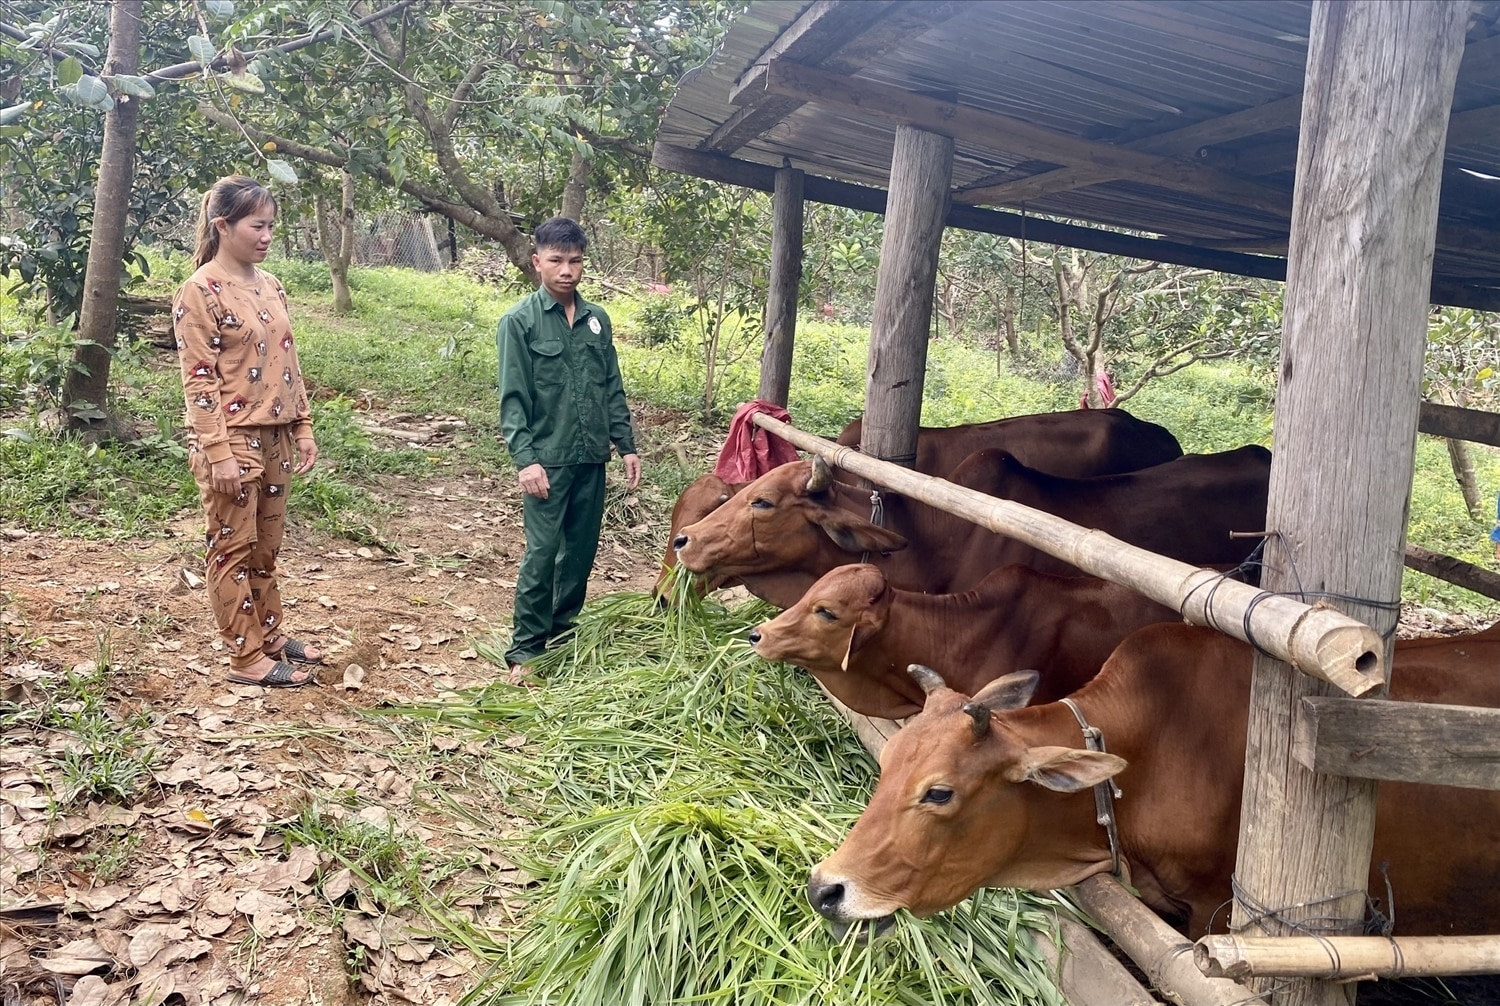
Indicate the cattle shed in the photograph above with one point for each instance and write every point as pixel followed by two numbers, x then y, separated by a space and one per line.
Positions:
pixel 1348 147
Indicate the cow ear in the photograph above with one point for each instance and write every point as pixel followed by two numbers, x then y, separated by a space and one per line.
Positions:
pixel 1011 691
pixel 1066 770
pixel 855 534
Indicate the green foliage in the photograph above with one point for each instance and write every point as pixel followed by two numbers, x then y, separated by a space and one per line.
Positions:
pixel 51 154
pixel 34 364
pixel 683 788
pixel 88 490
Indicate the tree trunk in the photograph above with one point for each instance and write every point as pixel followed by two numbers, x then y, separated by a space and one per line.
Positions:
pixel 86 387
pixel 1379 86
pixel 1463 471
pixel 575 192
pixel 337 243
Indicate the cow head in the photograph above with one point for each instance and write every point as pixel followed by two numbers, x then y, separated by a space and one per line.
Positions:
pixel 836 616
pixel 963 802
pixel 788 518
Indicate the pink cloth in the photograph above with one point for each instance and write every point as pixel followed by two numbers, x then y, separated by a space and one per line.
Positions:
pixel 749 452
pixel 1106 389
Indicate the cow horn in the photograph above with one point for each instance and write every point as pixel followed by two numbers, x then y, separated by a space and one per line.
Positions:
pixel 929 679
pixel 981 717
pixel 821 476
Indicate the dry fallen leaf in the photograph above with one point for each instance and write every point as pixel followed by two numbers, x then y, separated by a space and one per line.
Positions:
pixel 354 678
pixel 336 886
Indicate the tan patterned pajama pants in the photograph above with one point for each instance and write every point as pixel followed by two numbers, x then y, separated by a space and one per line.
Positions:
pixel 243 536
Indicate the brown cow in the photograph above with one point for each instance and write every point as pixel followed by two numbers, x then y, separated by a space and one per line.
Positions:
pixel 983 793
pixel 1079 443
pixel 790 526
pixel 857 634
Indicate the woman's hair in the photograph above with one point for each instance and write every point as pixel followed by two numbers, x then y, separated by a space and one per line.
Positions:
pixel 231 199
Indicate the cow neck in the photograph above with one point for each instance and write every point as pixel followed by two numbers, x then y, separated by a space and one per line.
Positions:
pixel 1106 792
pixel 959 629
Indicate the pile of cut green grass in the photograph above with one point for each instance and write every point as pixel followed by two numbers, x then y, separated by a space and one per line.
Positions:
pixel 682 789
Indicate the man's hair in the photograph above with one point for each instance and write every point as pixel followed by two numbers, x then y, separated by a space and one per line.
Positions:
pixel 560 233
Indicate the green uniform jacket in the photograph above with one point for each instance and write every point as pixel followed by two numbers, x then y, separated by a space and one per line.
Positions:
pixel 561 398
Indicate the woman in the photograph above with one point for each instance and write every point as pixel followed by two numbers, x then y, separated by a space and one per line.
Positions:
pixel 250 427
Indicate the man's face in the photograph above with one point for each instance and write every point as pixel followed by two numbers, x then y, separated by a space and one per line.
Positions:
pixel 560 270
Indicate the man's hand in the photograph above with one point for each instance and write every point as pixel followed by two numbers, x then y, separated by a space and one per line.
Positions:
pixel 533 480
pixel 632 471
pixel 224 476
pixel 307 453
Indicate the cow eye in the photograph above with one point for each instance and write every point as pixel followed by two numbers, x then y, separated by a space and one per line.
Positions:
pixel 825 614
pixel 761 503
pixel 938 795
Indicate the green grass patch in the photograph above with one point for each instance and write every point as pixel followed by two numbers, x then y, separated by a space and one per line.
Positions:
pixel 682 789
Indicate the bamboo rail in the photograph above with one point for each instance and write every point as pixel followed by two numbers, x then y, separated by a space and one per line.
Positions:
pixel 1316 640
pixel 1346 957
pixel 1164 954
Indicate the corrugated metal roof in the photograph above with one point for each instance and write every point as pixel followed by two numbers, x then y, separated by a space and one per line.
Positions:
pixel 1103 70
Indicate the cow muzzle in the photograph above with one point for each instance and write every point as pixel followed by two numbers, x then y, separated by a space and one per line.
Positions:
pixel 830 899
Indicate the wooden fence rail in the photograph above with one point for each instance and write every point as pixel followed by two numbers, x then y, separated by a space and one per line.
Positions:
pixel 1317 640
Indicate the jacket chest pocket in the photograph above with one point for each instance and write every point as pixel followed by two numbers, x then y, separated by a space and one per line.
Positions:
pixel 548 366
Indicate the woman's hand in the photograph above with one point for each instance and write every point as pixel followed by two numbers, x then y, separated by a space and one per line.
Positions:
pixel 307 454
pixel 224 476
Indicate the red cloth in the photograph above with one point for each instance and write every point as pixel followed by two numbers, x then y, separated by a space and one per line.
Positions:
pixel 1106 389
pixel 749 451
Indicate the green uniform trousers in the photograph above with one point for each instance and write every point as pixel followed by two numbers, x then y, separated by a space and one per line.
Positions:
pixel 562 538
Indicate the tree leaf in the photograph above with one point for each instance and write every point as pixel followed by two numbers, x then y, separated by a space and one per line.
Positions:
pixel 282 172
pixel 220 8
pixel 136 87
pixel 201 48
pixel 70 71
pixel 243 81
pixel 92 92
pixel 12 113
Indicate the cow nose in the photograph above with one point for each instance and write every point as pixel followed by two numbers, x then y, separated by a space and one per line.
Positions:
pixel 679 542
pixel 754 636
pixel 827 898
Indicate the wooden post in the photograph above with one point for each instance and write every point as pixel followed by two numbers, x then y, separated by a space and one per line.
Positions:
pixel 786 277
pixel 921 176
pixel 1380 79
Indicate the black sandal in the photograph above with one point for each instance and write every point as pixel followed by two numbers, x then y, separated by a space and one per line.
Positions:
pixel 281 675
pixel 295 651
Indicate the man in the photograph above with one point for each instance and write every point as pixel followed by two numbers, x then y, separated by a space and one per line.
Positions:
pixel 562 404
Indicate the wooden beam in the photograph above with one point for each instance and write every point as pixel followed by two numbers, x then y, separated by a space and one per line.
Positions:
pixel 785 279
pixel 1348 957
pixel 1459 424
pixel 1369 165
pixel 1454 571
pixel 1163 954
pixel 1176 143
pixel 841 35
pixel 734 171
pixel 1006 133
pixel 921 178
pixel 1421 742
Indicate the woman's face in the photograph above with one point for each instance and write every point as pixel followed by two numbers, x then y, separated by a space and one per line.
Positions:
pixel 247 240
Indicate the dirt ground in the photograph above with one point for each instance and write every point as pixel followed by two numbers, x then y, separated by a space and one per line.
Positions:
pixel 188 893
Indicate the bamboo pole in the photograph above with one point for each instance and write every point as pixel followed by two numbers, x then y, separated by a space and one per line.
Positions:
pixel 1319 641
pixel 1346 957
pixel 1161 952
